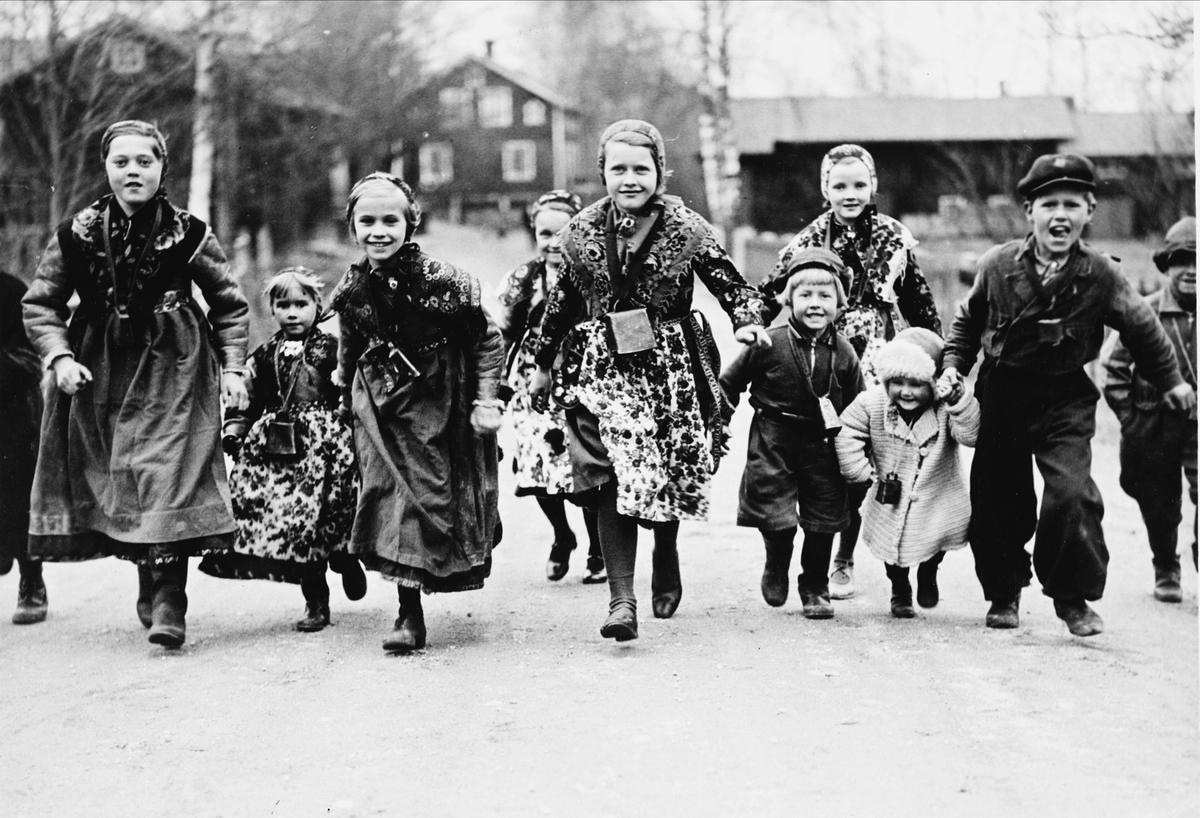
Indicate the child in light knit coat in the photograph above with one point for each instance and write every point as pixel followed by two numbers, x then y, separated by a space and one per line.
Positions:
pixel 903 435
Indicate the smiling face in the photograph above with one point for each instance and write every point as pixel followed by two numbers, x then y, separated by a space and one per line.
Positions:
pixel 134 170
pixel 295 311
pixel 1058 216
pixel 546 225
pixel 814 306
pixel 849 189
pixel 630 175
pixel 909 394
pixel 1182 272
pixel 380 225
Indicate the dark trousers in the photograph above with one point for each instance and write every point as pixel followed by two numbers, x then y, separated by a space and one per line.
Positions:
pixel 1155 448
pixel 1053 420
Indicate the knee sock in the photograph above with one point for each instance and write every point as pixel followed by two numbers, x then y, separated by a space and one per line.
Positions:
pixel 595 555
pixel 618 540
pixel 556 513
pixel 849 538
pixel 899 578
pixel 814 561
pixel 30 569
pixel 779 545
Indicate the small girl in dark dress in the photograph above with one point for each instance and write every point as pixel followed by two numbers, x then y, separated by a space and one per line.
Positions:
pixel 293 486
pixel 420 363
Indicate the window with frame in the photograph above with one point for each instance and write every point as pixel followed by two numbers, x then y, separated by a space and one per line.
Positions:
pixel 533 113
pixel 454 105
pixel 495 106
pixel 518 160
pixel 436 161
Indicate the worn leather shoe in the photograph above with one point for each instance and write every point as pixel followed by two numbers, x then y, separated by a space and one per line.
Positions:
pixel 316 618
pixel 841 581
pixel 902 607
pixel 408 633
pixel 559 561
pixel 354 580
pixel 774 586
pixel 621 624
pixel 1166 585
pixel 1004 614
pixel 169 605
pixel 1080 618
pixel 31 601
pixel 816 604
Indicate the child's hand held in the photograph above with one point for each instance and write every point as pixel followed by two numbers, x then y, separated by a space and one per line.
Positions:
pixel 69 375
pixel 233 390
pixel 753 335
pixel 486 418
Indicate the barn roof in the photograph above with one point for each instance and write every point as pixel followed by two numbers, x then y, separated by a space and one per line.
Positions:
pixel 760 123
pixel 1117 135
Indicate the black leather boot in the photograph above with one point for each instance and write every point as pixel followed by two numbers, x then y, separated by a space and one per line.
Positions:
pixel 31 594
pixel 354 580
pixel 169 603
pixel 902 593
pixel 1164 544
pixel 316 598
pixel 409 631
pixel 1004 614
pixel 145 602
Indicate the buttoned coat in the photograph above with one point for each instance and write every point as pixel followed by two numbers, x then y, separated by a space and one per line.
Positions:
pixel 935 506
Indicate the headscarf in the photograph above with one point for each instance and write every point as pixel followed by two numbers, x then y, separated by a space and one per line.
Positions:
pixel 657 147
pixel 561 200
pixel 847 152
pixel 135 127
pixel 412 214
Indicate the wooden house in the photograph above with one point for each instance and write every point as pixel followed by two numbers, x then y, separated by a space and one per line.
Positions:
pixel 479 142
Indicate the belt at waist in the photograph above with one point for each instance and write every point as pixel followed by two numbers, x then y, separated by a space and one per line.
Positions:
pixel 788 417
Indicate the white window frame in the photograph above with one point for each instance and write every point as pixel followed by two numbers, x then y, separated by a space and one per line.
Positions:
pixel 435 161
pixel 518 160
pixel 455 107
pixel 495 106
pixel 533 113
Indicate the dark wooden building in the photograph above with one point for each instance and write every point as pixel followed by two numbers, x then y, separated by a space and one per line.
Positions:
pixel 480 142
pixel 924 148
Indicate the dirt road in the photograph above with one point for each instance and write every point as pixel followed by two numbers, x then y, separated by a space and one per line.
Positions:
pixel 518 708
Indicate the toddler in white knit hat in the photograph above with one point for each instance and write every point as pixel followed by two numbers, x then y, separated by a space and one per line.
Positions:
pixel 903 436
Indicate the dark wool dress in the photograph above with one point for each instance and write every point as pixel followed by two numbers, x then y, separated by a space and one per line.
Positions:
pixel 427 507
pixel 21 409
pixel 289 512
pixel 131 465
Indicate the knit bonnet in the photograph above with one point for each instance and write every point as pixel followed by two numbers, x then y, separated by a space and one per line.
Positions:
pixel 914 353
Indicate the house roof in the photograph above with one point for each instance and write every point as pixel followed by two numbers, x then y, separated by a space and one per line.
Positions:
pixel 760 123
pixel 515 77
pixel 1149 134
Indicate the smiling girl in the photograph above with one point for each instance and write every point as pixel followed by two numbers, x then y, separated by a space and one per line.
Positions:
pixel 884 287
pixel 420 364
pixel 644 410
pixel 130 461
pixel 293 485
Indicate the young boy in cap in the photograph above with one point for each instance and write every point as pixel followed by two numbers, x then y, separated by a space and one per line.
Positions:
pixel 1156 439
pixel 1038 309
pixel 798 387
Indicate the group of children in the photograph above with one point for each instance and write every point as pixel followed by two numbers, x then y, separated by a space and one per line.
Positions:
pixel 378 449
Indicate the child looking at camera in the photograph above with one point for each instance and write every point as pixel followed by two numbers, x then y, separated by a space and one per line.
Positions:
pixel 798 386
pixel 903 436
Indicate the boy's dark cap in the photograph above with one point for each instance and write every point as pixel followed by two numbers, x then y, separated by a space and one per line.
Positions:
pixel 1058 169
pixel 1181 238
pixel 817 257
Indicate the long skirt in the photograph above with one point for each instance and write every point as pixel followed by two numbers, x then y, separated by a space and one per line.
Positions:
pixel 427 509
pixel 131 465
pixel 290 513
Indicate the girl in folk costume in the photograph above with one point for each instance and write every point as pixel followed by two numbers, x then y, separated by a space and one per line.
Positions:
pixel 640 378
pixel 130 460
pixel 21 408
pixel 903 434
pixel 420 363
pixel 293 485
pixel 884 285
pixel 542 462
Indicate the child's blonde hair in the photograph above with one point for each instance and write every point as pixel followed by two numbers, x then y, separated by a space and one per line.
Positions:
pixel 294 279
pixel 816 265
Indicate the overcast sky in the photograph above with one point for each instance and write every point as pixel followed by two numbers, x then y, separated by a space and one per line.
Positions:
pixel 920 47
